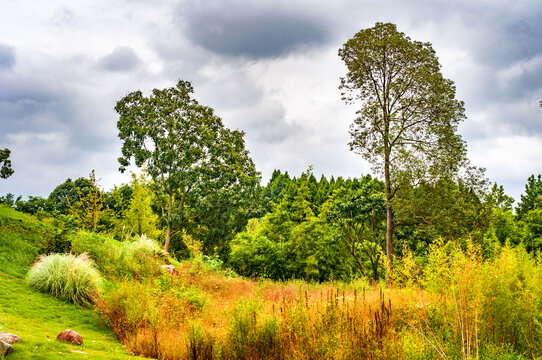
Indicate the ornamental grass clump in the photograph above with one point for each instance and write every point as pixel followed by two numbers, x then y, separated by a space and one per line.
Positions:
pixel 144 245
pixel 68 277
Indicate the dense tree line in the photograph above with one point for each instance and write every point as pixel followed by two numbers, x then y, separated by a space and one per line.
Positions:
pixel 308 227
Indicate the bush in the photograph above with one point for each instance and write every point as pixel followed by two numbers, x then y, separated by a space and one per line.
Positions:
pixel 118 260
pixel 67 277
pixel 144 245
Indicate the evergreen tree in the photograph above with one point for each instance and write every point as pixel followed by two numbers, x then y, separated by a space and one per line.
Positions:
pixel 532 197
pixel 139 217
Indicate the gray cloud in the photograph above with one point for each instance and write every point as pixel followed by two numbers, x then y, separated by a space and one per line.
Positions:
pixel 268 67
pixel 235 29
pixel 7 57
pixel 268 124
pixel 123 58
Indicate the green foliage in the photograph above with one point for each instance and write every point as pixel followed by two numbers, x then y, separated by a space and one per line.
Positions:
pixel 8 199
pixel 505 227
pixel 406 127
pixel 118 260
pixel 492 305
pixel 69 192
pixel 359 215
pixel 390 73
pixel 532 198
pixel 496 198
pixel 59 242
pixel 139 218
pixel 33 205
pixel 22 239
pixel 5 164
pixel 533 229
pixel 297 238
pixel 118 199
pixel 198 166
pixel 279 249
pixel 250 339
pixel 257 256
pixel 440 209
pixel 200 344
pixel 67 277
pixel 88 209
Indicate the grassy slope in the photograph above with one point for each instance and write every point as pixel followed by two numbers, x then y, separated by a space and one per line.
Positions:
pixel 37 318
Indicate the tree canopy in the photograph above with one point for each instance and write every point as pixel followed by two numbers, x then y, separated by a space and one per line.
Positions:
pixel 532 198
pixel 406 126
pixel 194 161
pixel 5 164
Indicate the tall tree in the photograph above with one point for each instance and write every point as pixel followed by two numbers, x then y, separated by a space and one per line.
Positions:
pixel 406 127
pixel 5 164
pixel 184 147
pixel 532 197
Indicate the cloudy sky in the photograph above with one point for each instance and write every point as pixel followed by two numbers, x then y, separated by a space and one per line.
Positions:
pixel 269 68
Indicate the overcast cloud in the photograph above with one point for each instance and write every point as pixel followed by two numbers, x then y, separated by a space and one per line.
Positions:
pixel 269 68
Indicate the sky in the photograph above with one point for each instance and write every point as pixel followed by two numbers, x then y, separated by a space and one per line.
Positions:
pixel 268 68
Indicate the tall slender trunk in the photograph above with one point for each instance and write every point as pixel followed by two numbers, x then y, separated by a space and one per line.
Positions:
pixel 389 221
pixel 168 235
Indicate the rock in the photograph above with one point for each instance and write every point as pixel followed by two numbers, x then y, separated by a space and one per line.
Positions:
pixel 70 336
pixel 9 338
pixel 5 348
pixel 170 269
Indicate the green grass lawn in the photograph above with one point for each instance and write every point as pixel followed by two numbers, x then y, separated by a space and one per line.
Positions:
pixel 38 318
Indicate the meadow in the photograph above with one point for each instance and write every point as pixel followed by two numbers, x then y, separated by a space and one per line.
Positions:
pixel 457 304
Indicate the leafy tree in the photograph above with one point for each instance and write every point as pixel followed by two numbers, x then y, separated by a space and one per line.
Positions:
pixel 442 208
pixel 257 256
pixel 5 164
pixel 277 224
pixel 533 226
pixel 301 206
pixel 189 154
pixel 496 198
pixel 8 199
pixel 118 199
pixel 139 217
pixel 360 215
pixel 505 227
pixel 277 185
pixel 532 197
pixel 32 205
pixel 69 192
pixel 88 209
pixel 406 127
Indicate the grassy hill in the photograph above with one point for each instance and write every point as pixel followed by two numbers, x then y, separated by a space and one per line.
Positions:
pixel 37 318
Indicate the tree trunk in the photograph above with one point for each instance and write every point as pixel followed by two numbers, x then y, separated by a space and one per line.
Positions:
pixel 389 221
pixel 389 239
pixel 168 234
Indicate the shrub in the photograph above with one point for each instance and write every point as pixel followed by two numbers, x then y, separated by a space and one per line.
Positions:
pixel 68 277
pixel 118 260
pixel 144 245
